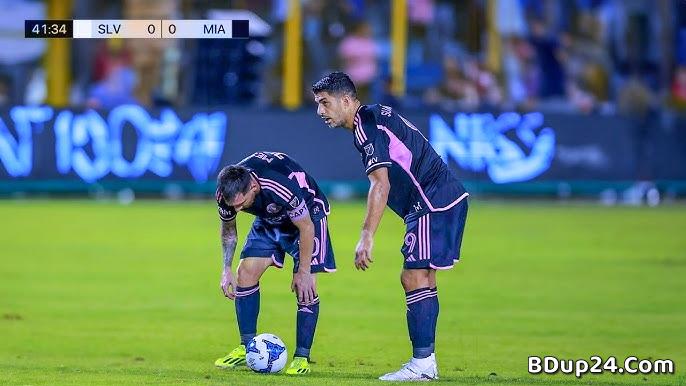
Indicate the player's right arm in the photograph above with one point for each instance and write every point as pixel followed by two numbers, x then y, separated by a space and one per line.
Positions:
pixel 229 239
pixel 376 203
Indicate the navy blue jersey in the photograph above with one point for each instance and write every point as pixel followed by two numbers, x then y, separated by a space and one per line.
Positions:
pixel 420 181
pixel 286 193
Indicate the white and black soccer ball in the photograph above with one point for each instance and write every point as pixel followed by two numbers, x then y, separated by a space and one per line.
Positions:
pixel 266 353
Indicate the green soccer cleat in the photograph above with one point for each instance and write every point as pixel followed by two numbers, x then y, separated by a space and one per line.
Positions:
pixel 299 366
pixel 236 358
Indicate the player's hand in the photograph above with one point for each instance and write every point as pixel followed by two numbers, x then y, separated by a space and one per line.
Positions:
pixel 363 252
pixel 228 284
pixel 303 286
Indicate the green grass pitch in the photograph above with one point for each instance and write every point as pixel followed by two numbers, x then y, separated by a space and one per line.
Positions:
pixel 100 294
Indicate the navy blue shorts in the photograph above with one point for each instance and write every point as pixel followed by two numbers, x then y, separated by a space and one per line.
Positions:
pixel 274 241
pixel 433 240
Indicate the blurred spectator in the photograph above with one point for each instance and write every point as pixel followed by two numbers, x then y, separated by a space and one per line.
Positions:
pixel 116 89
pixel 678 89
pixel 5 90
pixel 358 53
pixel 637 102
pixel 111 54
pixel 546 47
pixel 521 76
pixel 456 92
pixel 19 57
pixel 421 46
pixel 114 77
pixel 387 98
pixel 635 99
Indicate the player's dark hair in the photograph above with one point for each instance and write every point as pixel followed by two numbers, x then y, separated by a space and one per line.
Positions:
pixel 336 83
pixel 233 179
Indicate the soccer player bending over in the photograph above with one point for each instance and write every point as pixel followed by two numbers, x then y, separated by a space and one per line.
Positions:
pixel 290 218
pixel 406 174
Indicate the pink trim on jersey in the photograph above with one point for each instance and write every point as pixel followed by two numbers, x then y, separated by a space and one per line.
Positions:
pixel 278 193
pixel 329 270
pixel 321 202
pixel 359 132
pixel 273 186
pixel 377 164
pixel 276 185
pixel 403 157
pixel 301 178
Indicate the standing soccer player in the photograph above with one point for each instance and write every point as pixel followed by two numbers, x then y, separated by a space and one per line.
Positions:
pixel 290 218
pixel 407 174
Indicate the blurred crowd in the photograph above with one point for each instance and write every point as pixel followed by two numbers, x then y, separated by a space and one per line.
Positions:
pixel 606 56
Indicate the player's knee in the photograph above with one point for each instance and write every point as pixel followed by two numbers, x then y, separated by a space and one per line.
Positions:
pixel 432 278
pixel 247 275
pixel 412 279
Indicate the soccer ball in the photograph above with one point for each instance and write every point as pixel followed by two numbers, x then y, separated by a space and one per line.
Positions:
pixel 266 353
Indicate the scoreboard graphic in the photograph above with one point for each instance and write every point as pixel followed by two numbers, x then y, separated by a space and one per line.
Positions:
pixel 137 29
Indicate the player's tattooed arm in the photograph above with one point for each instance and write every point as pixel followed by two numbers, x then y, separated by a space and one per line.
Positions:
pixel 376 203
pixel 229 240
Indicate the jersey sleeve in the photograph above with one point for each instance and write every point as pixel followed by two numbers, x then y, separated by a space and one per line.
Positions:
pixel 372 142
pixel 226 212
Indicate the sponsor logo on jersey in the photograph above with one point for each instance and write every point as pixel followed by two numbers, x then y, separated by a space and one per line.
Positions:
pixel 273 208
pixel 417 206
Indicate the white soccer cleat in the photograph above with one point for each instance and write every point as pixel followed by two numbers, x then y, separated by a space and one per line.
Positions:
pixel 415 370
pixel 433 358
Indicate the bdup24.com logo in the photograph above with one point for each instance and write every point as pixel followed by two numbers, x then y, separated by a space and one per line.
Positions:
pixel 510 148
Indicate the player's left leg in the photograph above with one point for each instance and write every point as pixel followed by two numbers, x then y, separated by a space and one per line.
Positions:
pixel 433 287
pixel 308 313
pixel 306 324
pixel 421 308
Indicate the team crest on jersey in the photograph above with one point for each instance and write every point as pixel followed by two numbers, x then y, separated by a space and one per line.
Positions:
pixel 294 202
pixel 369 149
pixel 273 208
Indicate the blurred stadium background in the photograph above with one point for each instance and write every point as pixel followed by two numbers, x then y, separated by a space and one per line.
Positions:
pixel 566 120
